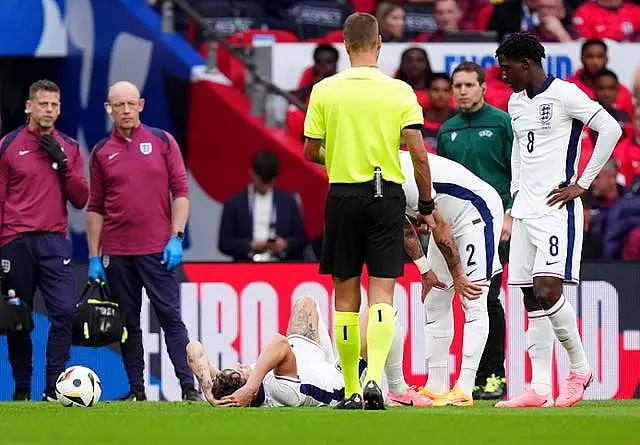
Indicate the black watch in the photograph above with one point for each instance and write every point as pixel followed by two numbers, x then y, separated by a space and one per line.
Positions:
pixel 426 208
pixel 179 235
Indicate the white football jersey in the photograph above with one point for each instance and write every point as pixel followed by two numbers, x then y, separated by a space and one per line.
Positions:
pixel 463 199
pixel 546 144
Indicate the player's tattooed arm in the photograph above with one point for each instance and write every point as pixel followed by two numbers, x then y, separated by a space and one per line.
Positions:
pixel 412 245
pixel 304 319
pixel 202 368
pixel 444 240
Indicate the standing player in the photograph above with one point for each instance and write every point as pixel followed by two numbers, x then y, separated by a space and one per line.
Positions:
pixel 548 115
pixel 472 211
pixel 135 173
pixel 40 170
pixel 361 114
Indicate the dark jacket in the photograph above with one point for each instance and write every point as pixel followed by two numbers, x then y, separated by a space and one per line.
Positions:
pixel 236 226
pixel 624 216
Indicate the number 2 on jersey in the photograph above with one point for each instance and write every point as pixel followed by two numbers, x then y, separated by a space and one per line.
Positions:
pixel 471 249
pixel 530 139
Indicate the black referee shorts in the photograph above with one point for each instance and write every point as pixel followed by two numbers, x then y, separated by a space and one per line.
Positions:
pixel 361 229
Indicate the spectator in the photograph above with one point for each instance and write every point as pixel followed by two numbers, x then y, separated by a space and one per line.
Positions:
pixel 325 64
pixel 498 91
pixel 630 152
pixel 636 86
pixel 262 222
pixel 553 26
pixel 624 218
pixel 606 88
pixel 603 194
pixel 440 93
pixel 447 14
pixel 594 59
pixel 631 249
pixel 391 18
pixel 415 70
pixel 469 11
pixel 607 19
pixel 591 239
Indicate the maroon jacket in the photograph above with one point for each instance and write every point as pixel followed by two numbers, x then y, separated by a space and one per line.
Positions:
pixel 33 196
pixel 133 181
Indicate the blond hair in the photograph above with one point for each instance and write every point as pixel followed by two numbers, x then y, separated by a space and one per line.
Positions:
pixel 361 31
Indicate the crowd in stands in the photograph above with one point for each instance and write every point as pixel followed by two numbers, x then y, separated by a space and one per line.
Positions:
pixel 612 205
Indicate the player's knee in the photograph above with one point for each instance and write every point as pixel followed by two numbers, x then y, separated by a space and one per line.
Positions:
pixel 547 291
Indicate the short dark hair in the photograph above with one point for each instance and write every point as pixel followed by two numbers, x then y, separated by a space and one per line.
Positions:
pixel 42 85
pixel 266 165
pixel 361 31
pixel 605 73
pixel 519 46
pixel 470 67
pixel 325 47
pixel 592 42
pixel 226 383
pixel 438 76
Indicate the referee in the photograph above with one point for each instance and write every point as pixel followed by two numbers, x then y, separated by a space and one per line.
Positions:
pixel 361 115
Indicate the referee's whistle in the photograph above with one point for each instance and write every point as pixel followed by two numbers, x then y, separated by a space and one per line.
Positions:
pixel 377 182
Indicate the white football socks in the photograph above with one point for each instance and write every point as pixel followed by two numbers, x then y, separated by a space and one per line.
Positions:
pixel 540 349
pixel 563 319
pixel 476 331
pixel 393 366
pixel 438 335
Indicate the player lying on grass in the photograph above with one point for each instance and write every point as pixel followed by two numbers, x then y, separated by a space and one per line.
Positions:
pixel 296 370
pixel 472 211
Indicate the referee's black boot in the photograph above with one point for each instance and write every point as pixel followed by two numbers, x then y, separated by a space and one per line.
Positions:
pixel 189 394
pixel 353 402
pixel 135 395
pixel 372 395
pixel 21 395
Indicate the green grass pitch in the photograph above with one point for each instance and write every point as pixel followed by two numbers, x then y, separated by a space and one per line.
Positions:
pixel 602 423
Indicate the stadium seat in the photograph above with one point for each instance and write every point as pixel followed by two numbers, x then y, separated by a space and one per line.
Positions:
pixel 483 16
pixel 231 17
pixel 230 66
pixel 418 19
pixel 364 5
pixel 333 37
pixel 310 19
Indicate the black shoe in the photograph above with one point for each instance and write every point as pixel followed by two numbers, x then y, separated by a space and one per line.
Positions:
pixel 353 402
pixel 49 395
pixel 135 395
pixel 191 395
pixel 372 395
pixel 21 395
pixel 477 392
pixel 496 388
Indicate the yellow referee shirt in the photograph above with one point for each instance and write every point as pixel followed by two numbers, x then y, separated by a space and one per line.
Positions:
pixel 360 113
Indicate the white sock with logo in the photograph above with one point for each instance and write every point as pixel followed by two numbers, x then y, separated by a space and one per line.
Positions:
pixel 565 326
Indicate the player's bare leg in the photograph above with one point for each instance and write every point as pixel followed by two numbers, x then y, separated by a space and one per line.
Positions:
pixel 305 321
pixel 202 368
pixel 548 291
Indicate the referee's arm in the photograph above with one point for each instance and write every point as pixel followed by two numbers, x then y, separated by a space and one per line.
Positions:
pixel 413 139
pixel 314 130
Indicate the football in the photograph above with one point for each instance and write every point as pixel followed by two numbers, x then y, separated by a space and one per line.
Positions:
pixel 78 386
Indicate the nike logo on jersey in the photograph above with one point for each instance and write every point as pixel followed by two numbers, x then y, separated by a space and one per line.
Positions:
pixel 403 403
pixel 66 261
pixel 551 263
pixel 469 273
pixel 113 155
pixel 24 152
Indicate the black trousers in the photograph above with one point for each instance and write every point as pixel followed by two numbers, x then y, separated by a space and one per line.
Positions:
pixel 492 361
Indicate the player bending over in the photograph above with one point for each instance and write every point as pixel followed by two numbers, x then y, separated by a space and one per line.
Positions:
pixel 473 211
pixel 548 116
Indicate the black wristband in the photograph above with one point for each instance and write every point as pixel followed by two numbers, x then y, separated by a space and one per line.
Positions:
pixel 426 207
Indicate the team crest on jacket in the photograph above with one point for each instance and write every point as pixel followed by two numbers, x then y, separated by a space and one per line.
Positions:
pixel 146 148
pixel 545 113
pixel 6 266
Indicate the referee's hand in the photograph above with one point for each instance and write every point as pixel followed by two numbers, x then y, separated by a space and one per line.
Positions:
pixel 425 222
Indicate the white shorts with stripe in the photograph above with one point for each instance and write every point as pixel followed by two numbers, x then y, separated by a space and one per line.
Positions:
pixel 319 382
pixel 549 246
pixel 478 254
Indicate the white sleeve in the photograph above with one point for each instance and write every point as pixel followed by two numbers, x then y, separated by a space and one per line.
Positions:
pixel 515 164
pixel 609 132
pixel 578 105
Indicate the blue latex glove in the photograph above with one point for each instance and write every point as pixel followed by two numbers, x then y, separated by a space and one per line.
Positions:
pixel 96 271
pixel 172 255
